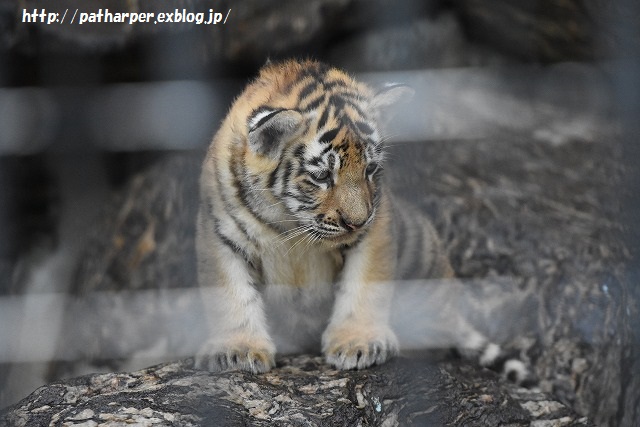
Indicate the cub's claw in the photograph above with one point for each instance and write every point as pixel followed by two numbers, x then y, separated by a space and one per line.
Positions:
pixel 352 350
pixel 248 358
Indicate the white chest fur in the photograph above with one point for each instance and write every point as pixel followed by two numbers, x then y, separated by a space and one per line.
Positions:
pixel 298 292
pixel 297 265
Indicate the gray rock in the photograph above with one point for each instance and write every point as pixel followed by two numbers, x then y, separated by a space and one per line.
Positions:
pixel 537 212
pixel 540 208
pixel 425 43
pixel 300 391
pixel 548 30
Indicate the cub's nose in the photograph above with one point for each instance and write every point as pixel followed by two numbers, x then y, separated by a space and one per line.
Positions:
pixel 351 224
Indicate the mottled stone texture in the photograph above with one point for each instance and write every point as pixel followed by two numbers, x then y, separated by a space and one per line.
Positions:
pixel 300 391
pixel 539 206
pixel 540 213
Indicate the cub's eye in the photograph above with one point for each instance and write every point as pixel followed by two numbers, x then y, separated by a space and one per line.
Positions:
pixel 371 169
pixel 322 176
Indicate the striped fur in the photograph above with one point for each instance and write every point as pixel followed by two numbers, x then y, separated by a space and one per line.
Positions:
pixel 293 209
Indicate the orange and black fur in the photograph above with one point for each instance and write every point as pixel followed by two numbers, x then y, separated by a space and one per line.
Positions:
pixel 293 208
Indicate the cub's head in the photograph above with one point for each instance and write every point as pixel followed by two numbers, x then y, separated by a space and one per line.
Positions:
pixel 315 145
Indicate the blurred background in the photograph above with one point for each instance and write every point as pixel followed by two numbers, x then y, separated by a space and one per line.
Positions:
pixel 521 143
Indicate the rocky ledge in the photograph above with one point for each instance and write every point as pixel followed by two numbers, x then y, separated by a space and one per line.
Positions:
pixel 302 390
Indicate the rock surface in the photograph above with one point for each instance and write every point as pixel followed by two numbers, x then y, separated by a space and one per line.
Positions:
pixel 539 213
pixel 300 391
pixel 538 206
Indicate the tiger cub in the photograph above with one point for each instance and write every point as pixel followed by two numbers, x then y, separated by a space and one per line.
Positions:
pixel 293 209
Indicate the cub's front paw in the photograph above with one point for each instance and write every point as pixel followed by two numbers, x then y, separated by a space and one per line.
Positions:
pixel 254 356
pixel 349 348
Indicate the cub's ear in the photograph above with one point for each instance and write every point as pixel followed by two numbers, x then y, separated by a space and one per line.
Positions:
pixel 387 98
pixel 391 94
pixel 270 128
